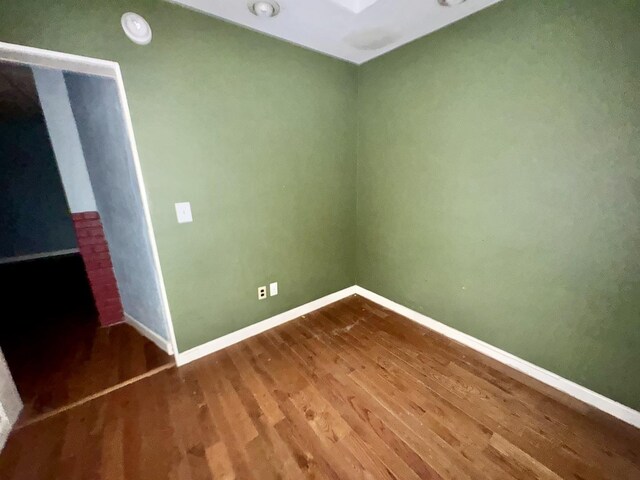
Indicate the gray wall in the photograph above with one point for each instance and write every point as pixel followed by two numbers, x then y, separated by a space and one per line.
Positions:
pixel 34 216
pixel 99 118
pixel 65 141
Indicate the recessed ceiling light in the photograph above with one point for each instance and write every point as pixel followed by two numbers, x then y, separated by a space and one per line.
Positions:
pixel 264 9
pixel 136 28
pixel 450 3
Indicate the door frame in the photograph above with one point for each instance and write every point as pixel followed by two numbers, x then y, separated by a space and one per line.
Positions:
pixel 105 68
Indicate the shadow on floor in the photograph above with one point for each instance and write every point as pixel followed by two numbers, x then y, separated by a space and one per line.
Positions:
pixel 56 350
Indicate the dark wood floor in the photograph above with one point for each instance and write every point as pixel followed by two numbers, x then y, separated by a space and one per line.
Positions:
pixel 349 391
pixel 84 361
pixel 56 350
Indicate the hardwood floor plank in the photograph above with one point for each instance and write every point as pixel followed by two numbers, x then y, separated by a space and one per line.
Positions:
pixel 552 434
pixel 219 462
pixel 190 438
pixel 325 382
pixel 494 419
pixel 320 415
pixel 268 405
pixel 525 462
pixel 562 408
pixel 352 391
pixel 112 447
pixel 260 448
pixel 82 361
pixel 213 394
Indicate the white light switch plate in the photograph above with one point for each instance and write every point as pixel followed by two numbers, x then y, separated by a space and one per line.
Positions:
pixel 183 212
pixel 273 289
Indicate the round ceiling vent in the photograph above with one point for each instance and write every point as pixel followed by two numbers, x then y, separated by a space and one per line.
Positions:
pixel 264 9
pixel 450 3
pixel 371 39
pixel 136 28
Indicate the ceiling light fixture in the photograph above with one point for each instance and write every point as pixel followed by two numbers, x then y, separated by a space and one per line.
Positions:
pixel 264 9
pixel 450 3
pixel 136 28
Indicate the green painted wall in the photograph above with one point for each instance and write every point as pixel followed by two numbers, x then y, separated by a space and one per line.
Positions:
pixel 499 184
pixel 497 162
pixel 257 134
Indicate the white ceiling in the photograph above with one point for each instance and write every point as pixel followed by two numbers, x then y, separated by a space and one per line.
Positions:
pixel 353 30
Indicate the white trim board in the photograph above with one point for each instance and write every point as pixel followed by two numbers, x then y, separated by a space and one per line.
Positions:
pixel 145 331
pixel 58 60
pixel 247 332
pixel 146 210
pixel 590 397
pixel 587 396
pixel 34 256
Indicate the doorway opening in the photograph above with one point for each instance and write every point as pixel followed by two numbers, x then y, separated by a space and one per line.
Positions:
pixel 77 254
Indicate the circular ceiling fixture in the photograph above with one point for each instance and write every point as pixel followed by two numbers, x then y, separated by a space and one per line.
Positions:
pixel 371 39
pixel 450 3
pixel 264 9
pixel 136 28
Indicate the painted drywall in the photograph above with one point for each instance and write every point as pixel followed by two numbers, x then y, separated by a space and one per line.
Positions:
pixel 498 184
pixel 109 160
pixel 64 138
pixel 497 171
pixel 34 216
pixel 257 134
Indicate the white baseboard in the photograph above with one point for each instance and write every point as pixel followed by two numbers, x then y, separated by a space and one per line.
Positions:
pixel 162 343
pixel 5 430
pixel 590 397
pixel 22 258
pixel 587 396
pixel 244 333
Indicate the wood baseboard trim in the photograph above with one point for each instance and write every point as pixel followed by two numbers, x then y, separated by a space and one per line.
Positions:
pixel 247 332
pixel 145 331
pixel 583 394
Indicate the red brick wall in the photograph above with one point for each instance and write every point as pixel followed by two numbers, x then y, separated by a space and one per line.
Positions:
pixel 97 260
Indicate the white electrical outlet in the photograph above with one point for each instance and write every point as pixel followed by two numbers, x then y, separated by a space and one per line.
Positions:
pixel 273 289
pixel 183 212
pixel 262 293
